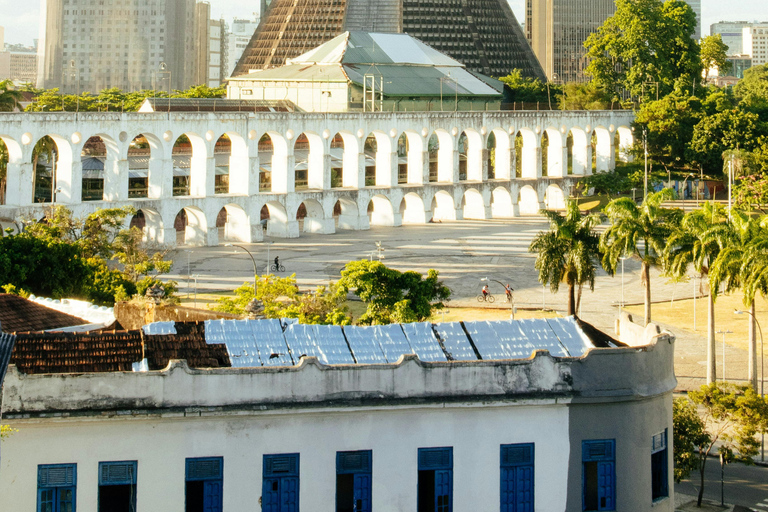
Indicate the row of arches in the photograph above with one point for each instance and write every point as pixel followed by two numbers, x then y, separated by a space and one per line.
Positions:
pixel 110 171
pixel 190 225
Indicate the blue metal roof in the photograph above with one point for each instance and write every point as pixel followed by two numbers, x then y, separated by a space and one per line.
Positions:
pixel 6 348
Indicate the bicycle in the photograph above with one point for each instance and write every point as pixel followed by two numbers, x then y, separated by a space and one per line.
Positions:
pixel 275 268
pixel 486 298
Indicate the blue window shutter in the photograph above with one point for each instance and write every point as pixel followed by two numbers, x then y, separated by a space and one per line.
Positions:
pixel 281 465
pixel 435 458
pixel 117 473
pixel 56 485
pixel 362 492
pixel 270 495
pixel 606 486
pixel 444 490
pixel 209 468
pixel 289 494
pixel 354 462
pixel 56 475
pixel 212 496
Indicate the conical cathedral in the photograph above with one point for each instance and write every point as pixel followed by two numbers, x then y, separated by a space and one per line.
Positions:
pixel 482 34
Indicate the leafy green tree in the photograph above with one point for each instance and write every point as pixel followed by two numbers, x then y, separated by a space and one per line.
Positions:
pixel 640 232
pixel 606 182
pixel 714 54
pixel 138 259
pixel 9 96
pixel 203 91
pixel 728 130
pixel 529 90
pixel 644 41
pixel 688 433
pixel 584 96
pixel 104 284
pixel 393 296
pixel 752 90
pixel 696 242
pixel 569 252
pixel 733 415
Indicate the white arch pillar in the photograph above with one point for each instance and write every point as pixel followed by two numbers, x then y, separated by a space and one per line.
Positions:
pixel 202 176
pixel 283 171
pixel 19 184
pixel 160 179
pixel 116 175
pixel 557 156
pixel 69 180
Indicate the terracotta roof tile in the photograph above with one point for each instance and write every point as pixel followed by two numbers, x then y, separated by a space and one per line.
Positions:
pixel 18 314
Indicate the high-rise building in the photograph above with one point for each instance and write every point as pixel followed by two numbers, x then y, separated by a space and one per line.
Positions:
pixel 217 52
pixel 557 29
pixel 755 43
pixel 696 6
pixel 237 40
pixel 481 34
pixel 17 62
pixel 731 33
pixel 130 44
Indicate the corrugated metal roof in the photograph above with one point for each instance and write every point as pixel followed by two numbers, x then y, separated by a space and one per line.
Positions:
pixel 299 73
pixel 6 348
pixel 406 80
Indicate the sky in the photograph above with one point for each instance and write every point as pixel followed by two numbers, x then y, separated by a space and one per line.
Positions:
pixel 21 21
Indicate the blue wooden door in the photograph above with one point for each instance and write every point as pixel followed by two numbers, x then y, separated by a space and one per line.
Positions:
pixel 46 500
pixel 270 495
pixel 212 496
pixel 605 486
pixel 524 489
pixel 362 493
pixel 289 494
pixel 443 484
pixel 507 489
pixel 66 500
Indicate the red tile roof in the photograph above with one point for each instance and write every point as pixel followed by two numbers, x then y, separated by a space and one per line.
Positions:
pixel 18 314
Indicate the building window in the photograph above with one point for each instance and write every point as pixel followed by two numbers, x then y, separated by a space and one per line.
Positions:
pixel 517 477
pixel 204 482
pixel 353 481
pixel 280 486
pixel 435 480
pixel 117 486
pixel 56 484
pixel 599 474
pixel 659 473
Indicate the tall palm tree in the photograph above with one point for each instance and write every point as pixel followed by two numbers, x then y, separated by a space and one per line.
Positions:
pixel 697 242
pixel 741 264
pixel 640 232
pixel 569 252
pixel 9 97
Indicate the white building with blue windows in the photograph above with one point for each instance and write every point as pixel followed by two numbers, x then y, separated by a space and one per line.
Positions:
pixel 544 415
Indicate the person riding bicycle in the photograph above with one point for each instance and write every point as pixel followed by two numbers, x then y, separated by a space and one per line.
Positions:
pixel 508 290
pixel 277 263
pixel 485 291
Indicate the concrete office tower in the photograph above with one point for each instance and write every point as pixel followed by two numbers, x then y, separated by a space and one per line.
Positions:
pixel 755 43
pixel 237 41
pixel 117 43
pixel 557 29
pixel 731 32
pixel 696 6
pixel 481 34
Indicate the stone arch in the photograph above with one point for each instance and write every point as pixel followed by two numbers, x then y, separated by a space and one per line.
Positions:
pixel 412 209
pixel 276 218
pixel 499 155
pixel 150 222
pixel 580 151
pixel 603 149
pixel 443 206
pixel 626 141
pixel 145 167
pixel 310 217
pixel 530 156
pixel 345 214
pixel 381 212
pixel 233 224
pixel 337 154
pixel 182 154
pixel 308 162
pixel 473 205
pixel 473 155
pixel 554 199
pixel 273 163
pixel 230 154
pixel 529 201
pixel 501 204
pixel 52 170
pixel 555 153
pixel 403 158
pixel 191 226
pixel 443 153
pixel 93 160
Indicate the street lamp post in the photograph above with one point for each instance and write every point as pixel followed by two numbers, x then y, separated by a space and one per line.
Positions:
pixel 253 260
pixel 622 258
pixel 762 372
pixel 73 71
pixel 269 244
pixel 167 72
pixel 195 276
pixel 724 333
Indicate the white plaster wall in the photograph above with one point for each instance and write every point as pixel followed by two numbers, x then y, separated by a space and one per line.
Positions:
pixel 160 445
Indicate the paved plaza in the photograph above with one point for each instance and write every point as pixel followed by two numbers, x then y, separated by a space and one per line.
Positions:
pixel 463 252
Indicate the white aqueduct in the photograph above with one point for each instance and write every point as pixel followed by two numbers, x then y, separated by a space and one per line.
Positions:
pixel 197 177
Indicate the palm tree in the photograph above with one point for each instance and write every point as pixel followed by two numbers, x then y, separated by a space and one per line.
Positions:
pixel 741 263
pixel 568 252
pixel 697 242
pixel 9 97
pixel 638 231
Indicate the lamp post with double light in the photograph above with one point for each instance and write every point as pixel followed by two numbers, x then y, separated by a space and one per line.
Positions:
pixel 762 371
pixel 253 260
